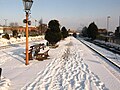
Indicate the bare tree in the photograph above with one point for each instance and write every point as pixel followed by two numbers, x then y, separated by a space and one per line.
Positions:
pixel 14 24
pixel 40 26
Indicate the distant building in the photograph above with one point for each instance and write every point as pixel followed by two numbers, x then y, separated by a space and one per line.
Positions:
pixel 21 30
pixel 42 28
pixel 1 30
pixel 102 31
pixel 71 32
pixel 7 30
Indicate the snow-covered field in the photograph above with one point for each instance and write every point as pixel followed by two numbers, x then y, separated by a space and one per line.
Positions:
pixel 71 66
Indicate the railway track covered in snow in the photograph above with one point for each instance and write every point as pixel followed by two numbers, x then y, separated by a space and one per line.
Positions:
pixel 113 60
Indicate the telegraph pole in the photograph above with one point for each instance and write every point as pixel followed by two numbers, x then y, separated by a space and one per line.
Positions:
pixel 119 24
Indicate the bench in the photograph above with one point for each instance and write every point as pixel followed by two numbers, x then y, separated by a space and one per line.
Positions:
pixel 42 55
pixel 30 57
pixel 38 51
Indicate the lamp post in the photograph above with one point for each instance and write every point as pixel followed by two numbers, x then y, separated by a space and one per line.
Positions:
pixel 27 6
pixel 119 24
pixel 108 17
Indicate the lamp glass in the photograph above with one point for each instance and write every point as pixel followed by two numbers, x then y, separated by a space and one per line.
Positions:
pixel 27 5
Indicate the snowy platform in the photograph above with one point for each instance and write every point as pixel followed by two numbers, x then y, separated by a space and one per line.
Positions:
pixel 71 66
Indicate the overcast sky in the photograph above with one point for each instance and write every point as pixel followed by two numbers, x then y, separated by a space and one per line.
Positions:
pixel 72 14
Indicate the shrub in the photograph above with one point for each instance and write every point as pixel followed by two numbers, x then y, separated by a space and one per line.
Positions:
pixel 64 32
pixel 53 34
pixel 6 36
pixel 74 35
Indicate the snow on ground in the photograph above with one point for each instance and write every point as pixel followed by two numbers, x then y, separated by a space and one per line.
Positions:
pixel 66 72
pixel 71 66
pixel 4 42
pixel 4 83
pixel 99 66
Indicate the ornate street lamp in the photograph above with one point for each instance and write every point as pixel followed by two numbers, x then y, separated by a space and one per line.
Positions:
pixel 27 6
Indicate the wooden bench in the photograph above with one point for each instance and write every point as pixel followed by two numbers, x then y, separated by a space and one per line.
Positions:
pixel 34 49
pixel 29 54
pixel 42 55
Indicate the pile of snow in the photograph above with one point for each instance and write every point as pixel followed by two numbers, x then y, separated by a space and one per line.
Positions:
pixel 4 83
pixel 4 42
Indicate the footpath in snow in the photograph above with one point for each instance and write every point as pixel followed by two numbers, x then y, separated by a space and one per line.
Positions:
pixel 67 72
